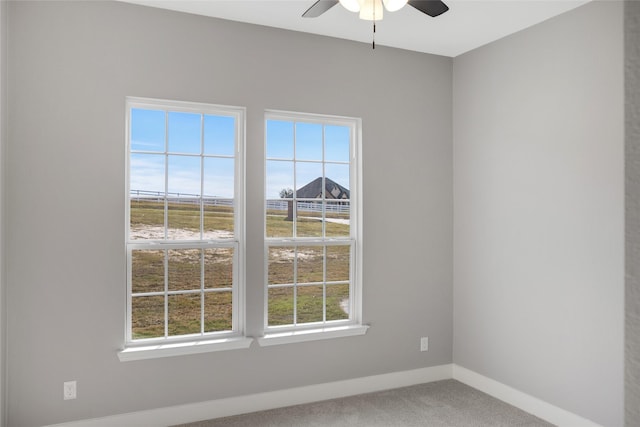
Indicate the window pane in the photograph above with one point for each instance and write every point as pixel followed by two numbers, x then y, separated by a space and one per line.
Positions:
pixel 279 139
pixel 147 271
pixel 218 268
pixel 219 135
pixel 147 218
pixel 147 130
pixel 310 264
pixel 219 177
pixel 184 314
pixel 146 183
pixel 146 175
pixel 337 181
pixel 309 304
pixel 309 180
pixel 309 219
pixel 218 198
pixel 184 132
pixel 218 308
pixel 183 218
pixel 337 219
pixel 184 176
pixel 279 180
pixel 184 269
pixel 336 140
pixel 218 219
pixel 338 263
pixel 281 265
pixel 279 218
pixel 308 141
pixel 147 317
pixel 337 302
pixel 280 306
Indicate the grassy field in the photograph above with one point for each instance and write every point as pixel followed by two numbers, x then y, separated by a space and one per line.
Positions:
pixel 181 217
pixel 308 224
pixel 186 311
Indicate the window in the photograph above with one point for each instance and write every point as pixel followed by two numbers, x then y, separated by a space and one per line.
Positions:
pixel 185 224
pixel 312 249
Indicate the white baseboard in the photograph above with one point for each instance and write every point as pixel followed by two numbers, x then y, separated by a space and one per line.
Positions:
pixel 269 400
pixel 295 396
pixel 527 403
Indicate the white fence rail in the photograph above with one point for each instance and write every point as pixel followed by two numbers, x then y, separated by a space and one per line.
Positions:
pixel 186 198
pixel 339 206
pixel 308 206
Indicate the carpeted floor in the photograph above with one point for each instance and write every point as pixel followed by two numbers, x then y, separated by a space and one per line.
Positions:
pixel 439 404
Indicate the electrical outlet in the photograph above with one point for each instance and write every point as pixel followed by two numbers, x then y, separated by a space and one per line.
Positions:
pixel 69 390
pixel 424 343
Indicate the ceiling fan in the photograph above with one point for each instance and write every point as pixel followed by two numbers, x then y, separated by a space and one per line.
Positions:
pixel 372 10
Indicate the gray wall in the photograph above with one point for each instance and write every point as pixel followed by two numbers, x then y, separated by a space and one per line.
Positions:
pixel 539 204
pixel 3 129
pixel 539 211
pixel 632 195
pixel 71 66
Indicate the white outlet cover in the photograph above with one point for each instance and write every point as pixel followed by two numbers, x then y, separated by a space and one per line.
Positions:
pixel 424 343
pixel 69 390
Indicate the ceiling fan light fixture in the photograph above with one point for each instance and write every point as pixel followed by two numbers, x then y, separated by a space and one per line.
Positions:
pixel 393 5
pixel 351 5
pixel 371 10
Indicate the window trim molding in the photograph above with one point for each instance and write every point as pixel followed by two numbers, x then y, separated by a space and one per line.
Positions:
pixel 197 343
pixel 168 349
pixel 354 325
pixel 312 334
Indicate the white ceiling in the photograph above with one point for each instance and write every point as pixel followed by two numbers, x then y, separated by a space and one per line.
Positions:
pixel 467 25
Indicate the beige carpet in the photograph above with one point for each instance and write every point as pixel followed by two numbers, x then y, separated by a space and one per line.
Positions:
pixel 439 404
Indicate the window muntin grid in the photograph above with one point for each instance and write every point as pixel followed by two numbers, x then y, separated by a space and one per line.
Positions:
pixel 187 220
pixel 305 288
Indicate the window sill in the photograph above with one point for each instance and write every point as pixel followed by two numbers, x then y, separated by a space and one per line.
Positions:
pixel 183 348
pixel 277 338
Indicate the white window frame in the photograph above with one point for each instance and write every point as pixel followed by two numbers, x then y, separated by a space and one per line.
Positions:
pixel 202 342
pixel 284 334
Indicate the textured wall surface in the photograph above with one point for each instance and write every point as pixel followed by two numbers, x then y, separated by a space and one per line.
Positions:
pixel 3 130
pixel 71 65
pixel 540 306
pixel 539 211
pixel 632 155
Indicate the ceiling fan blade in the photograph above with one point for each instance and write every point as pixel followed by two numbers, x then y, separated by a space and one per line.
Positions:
pixel 432 8
pixel 318 8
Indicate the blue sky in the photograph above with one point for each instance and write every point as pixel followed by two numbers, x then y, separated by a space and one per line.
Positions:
pixel 308 154
pixel 184 131
pixel 186 134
